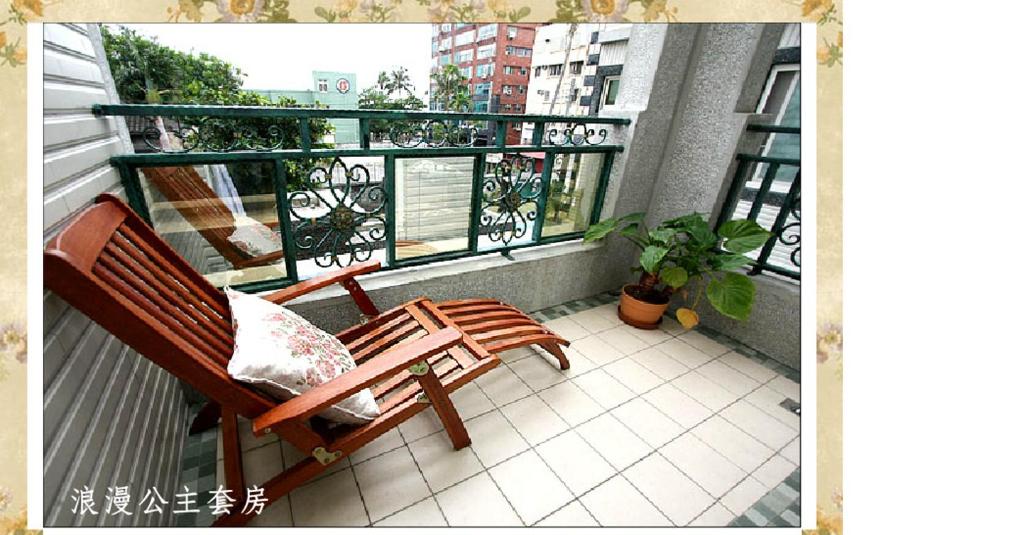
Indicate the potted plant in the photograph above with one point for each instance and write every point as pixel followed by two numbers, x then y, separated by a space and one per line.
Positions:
pixel 685 253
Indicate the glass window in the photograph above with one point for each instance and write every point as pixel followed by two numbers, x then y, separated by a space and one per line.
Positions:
pixel 508 107
pixel 485 69
pixel 523 71
pixel 446 44
pixel 511 191
pixel 508 69
pixel 466 71
pixel 611 91
pixel 506 89
pixel 321 85
pixel 483 89
pixel 446 27
pixel 576 67
pixel 512 32
pixel 464 38
pixel 446 59
pixel 524 52
pixel 522 89
pixel 486 51
pixel 554 70
pixel 574 180
pixel 433 197
pixel 480 107
pixel 486 32
pixel 536 71
pixel 509 50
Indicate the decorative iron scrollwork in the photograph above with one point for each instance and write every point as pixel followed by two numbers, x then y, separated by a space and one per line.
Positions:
pixel 341 215
pixel 577 134
pixel 506 195
pixel 790 234
pixel 432 134
pixel 211 134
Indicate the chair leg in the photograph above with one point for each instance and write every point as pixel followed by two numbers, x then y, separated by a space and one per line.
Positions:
pixel 273 489
pixel 552 347
pixel 206 419
pixel 442 403
pixel 232 454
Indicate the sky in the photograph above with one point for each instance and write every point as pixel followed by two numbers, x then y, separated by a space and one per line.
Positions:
pixel 283 56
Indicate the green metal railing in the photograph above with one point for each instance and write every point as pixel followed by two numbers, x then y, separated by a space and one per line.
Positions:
pixel 508 197
pixel 752 196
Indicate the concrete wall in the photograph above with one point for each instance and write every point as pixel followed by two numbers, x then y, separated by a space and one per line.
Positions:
pixel 110 417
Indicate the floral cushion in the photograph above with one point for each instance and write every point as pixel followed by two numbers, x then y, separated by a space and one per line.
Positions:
pixel 254 238
pixel 285 355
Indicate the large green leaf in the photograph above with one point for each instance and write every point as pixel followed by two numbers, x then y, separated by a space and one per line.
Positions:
pixel 733 295
pixel 635 217
pixel 651 257
pixel 674 277
pixel 728 262
pixel 684 222
pixel 742 236
pixel 662 235
pixel 600 230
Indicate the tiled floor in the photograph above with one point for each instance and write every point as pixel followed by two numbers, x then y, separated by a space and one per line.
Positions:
pixel 648 428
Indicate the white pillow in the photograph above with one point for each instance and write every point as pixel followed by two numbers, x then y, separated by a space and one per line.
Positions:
pixel 253 237
pixel 285 355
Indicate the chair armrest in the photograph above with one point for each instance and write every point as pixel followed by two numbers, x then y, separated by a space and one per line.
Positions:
pixel 302 288
pixel 389 363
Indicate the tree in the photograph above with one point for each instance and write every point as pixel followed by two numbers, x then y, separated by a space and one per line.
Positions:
pixel 383 97
pixel 450 90
pixel 145 71
pixel 399 82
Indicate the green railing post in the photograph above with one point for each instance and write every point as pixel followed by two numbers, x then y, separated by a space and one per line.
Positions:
pixel 476 200
pixel 542 201
pixel 777 226
pixel 284 219
pixel 364 133
pixel 500 133
pixel 133 190
pixel 538 133
pixel 762 192
pixel 602 187
pixel 389 223
pixel 307 142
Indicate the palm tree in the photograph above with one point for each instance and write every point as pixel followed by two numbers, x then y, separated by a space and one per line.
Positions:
pixel 383 81
pixel 450 85
pixel 400 82
pixel 461 101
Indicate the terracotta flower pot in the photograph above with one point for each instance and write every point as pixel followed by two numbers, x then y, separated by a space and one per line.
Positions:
pixel 639 314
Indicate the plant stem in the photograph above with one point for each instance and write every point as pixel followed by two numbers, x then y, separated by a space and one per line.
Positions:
pixel 699 292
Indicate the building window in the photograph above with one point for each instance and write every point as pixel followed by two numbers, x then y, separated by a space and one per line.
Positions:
pixel 574 93
pixel 445 44
pixel 445 59
pixel 509 50
pixel 576 67
pixel 611 91
pixel 483 89
pixel 466 71
pixel 512 32
pixel 536 71
pixel 506 89
pixel 321 85
pixel 446 27
pixel 508 70
pixel 508 107
pixel 485 69
pixel 464 38
pixel 486 51
pixel 464 56
pixel 523 71
pixel 480 107
pixel 545 94
pixel 554 70
pixel 524 52
pixel 518 107
pixel 486 32
pixel 522 89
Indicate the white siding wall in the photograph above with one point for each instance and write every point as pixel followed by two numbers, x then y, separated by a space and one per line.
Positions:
pixel 110 417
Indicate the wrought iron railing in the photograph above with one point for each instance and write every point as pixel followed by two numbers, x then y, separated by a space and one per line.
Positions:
pixel 766 188
pixel 333 208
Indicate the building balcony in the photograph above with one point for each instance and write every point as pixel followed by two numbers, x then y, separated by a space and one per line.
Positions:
pixel 657 426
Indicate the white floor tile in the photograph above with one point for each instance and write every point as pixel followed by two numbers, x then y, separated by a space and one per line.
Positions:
pixel 518 353
pixel 684 353
pixel 571 403
pixel 653 336
pixel 792 451
pixel 744 495
pixel 477 502
pixel 728 378
pixel 575 462
pixel 594 320
pixel 494 439
pixel 390 482
pixel 578 364
pixel 531 487
pixel 572 515
pixel 382 444
pixel 683 409
pixel 774 471
pixel 293 455
pixel 262 463
pixel 740 448
pixel 633 375
pixel 537 373
pixel 704 343
pixel 769 401
pixel 617 503
pixel 423 514
pixel 534 419
pixel 332 501
pixel 597 350
pixel 443 466
pixel 786 387
pixel 747 367
pixel 424 423
pixel 623 339
pixel 668 489
pixel 617 444
pixel 708 468
pixel 470 401
pixel 247 440
pixel 660 363
pixel 567 328
pixel 502 385
pixel 705 391
pixel 648 422
pixel 605 390
pixel 716 516
pixel 671 327
pixel 759 424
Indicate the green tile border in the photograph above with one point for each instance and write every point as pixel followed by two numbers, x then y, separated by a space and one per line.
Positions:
pixel 198 473
pixel 780 507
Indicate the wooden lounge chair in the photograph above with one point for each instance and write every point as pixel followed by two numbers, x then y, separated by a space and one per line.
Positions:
pixel 205 211
pixel 112 266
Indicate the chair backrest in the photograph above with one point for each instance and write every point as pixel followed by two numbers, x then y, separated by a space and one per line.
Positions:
pixel 109 264
pixel 200 206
